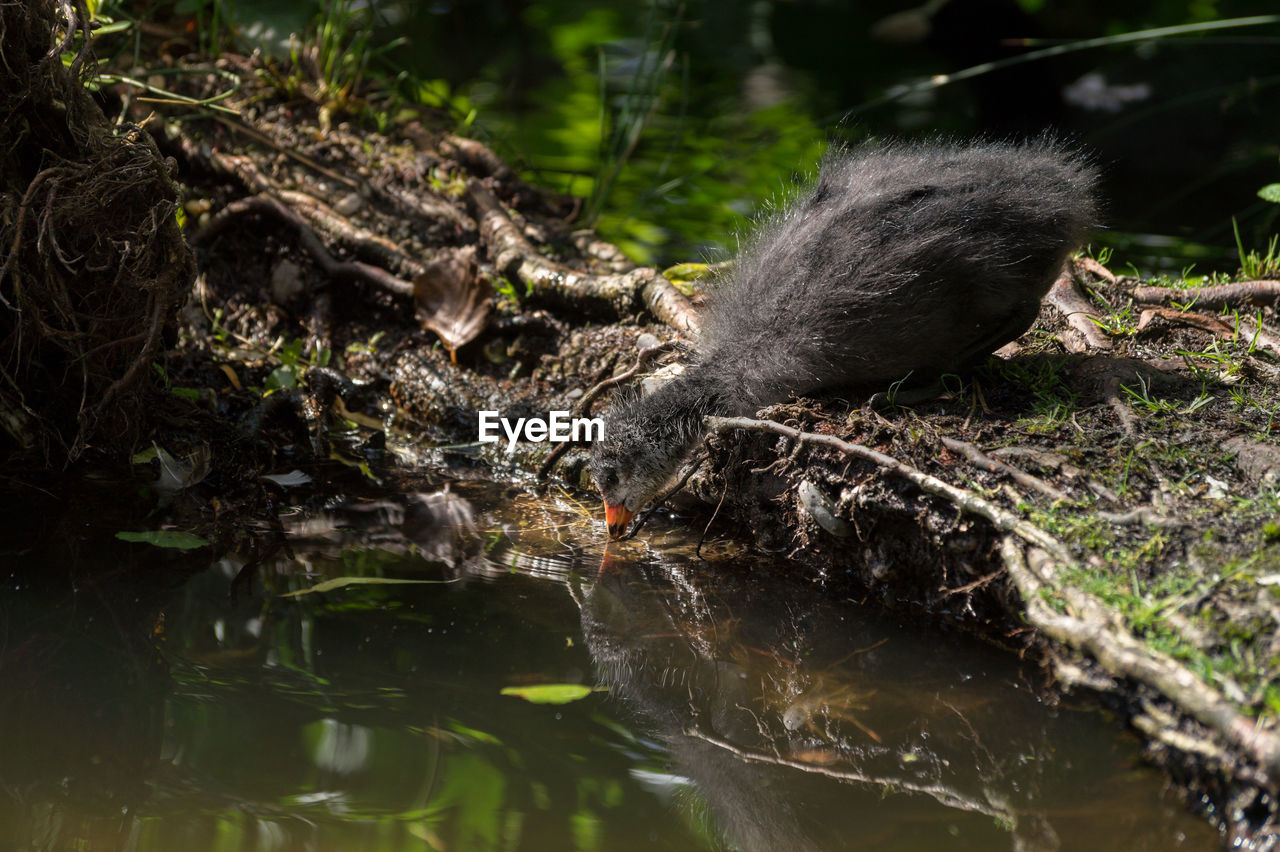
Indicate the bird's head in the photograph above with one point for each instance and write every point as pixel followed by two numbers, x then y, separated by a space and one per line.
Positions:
pixel 644 442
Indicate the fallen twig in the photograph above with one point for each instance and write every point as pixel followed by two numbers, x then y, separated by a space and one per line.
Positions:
pixel 976 584
pixel 643 357
pixel 691 467
pixel 943 794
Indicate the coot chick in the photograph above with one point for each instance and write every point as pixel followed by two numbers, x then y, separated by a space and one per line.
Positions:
pixel 901 260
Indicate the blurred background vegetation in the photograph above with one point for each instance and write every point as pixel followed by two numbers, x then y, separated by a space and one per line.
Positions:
pixel 677 121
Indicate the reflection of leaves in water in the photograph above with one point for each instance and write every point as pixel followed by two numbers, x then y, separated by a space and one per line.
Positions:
pixel 471 734
pixel 174 539
pixel 341 582
pixel 549 693
pixel 453 300
pixel 475 790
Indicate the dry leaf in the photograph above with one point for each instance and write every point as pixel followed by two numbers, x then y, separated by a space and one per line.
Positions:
pixel 452 299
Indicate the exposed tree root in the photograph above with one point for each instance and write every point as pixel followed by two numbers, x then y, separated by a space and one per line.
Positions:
pixel 1002 519
pixel 352 270
pixel 982 460
pixel 1059 463
pixel 423 206
pixel 1111 390
pixel 1256 333
pixel 613 295
pixel 1259 462
pixel 94 263
pixel 484 162
pixel 1216 297
pixel 1084 263
pixel 1087 625
pixel 372 247
pixel 1065 295
pixel 1140 515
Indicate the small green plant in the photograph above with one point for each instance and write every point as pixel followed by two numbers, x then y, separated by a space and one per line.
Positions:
pixel 1245 401
pixel 1271 532
pixel 1222 369
pixel 1053 403
pixel 294 361
pixel 1241 398
pixel 366 346
pixel 342 49
pixel 508 290
pixel 1143 398
pixel 1118 321
pixel 1203 399
pixel 622 126
pixel 1254 265
pixel 891 395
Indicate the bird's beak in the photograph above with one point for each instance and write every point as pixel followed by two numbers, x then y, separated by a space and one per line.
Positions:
pixel 617 516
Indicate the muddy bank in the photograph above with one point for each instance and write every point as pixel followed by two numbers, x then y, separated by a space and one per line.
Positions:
pixel 1101 494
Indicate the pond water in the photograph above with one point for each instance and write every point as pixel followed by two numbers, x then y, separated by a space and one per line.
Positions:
pixel 676 120
pixel 152 703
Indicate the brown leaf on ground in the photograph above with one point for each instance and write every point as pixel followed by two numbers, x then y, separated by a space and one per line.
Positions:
pixel 452 299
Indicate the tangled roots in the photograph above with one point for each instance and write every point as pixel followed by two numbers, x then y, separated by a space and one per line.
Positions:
pixel 92 261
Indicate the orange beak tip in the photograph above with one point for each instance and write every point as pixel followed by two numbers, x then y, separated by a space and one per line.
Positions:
pixel 617 517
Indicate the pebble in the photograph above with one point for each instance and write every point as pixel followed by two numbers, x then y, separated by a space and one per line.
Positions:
pixel 348 204
pixel 822 510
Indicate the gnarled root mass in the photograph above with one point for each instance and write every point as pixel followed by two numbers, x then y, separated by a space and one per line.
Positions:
pixel 92 261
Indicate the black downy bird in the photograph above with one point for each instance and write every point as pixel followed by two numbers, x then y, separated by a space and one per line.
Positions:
pixel 902 260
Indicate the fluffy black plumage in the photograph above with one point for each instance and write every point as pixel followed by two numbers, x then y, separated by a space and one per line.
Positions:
pixel 900 260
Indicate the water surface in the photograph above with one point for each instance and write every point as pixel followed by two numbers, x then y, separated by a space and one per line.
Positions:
pixel 726 701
